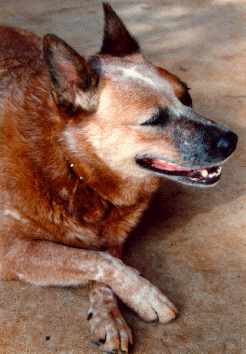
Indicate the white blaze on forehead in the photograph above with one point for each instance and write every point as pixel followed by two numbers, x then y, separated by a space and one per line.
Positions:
pixel 146 75
pixel 134 74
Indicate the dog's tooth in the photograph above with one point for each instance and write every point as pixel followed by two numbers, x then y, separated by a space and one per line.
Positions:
pixel 215 174
pixel 204 173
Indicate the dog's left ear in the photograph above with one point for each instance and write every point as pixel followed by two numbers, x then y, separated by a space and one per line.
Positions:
pixel 74 83
pixel 117 41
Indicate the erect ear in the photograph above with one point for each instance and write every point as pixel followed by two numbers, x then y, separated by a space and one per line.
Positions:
pixel 117 41
pixel 74 83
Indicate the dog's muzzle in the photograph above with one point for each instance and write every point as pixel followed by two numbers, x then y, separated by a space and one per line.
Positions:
pixel 202 150
pixel 204 145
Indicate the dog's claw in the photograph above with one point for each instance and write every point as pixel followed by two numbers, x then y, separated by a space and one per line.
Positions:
pixel 90 315
pixel 101 341
pixel 116 339
pixel 157 317
pixel 97 343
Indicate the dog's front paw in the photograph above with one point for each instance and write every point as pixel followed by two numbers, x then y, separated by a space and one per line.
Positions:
pixel 144 298
pixel 109 330
pixel 152 305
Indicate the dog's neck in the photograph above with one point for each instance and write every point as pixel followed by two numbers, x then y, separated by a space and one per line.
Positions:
pixel 112 187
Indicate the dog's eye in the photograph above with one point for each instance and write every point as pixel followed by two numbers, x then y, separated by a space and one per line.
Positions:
pixel 160 119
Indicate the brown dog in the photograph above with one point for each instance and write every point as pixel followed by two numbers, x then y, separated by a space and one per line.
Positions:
pixel 83 145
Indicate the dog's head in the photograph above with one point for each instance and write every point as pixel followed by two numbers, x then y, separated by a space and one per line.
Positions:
pixel 137 118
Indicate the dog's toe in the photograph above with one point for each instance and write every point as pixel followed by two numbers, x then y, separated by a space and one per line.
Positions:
pixel 160 309
pixel 164 313
pixel 110 332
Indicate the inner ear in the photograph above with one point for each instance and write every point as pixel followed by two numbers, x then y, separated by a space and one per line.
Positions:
pixel 117 41
pixel 73 82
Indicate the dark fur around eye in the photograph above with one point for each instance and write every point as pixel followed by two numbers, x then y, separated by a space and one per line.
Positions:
pixel 160 119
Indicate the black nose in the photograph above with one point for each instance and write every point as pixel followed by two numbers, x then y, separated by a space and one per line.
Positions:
pixel 227 143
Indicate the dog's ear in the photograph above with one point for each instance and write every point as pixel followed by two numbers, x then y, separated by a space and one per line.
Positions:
pixel 117 41
pixel 74 83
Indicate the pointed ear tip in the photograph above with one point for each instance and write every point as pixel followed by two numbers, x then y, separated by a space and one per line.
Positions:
pixel 107 8
pixel 49 37
pixel 106 5
pixel 53 41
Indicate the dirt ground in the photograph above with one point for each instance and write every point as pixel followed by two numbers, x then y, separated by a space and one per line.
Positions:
pixel 191 242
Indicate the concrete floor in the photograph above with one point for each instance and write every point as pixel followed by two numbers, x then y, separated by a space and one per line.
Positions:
pixel 191 242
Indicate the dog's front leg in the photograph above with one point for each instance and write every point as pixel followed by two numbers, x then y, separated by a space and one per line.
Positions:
pixel 48 263
pixel 108 327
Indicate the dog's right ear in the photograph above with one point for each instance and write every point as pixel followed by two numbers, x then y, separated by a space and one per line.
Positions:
pixel 74 83
pixel 117 41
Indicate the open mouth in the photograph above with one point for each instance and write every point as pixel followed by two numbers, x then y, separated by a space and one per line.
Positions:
pixel 206 176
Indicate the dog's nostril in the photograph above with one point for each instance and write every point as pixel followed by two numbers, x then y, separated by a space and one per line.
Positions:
pixel 227 143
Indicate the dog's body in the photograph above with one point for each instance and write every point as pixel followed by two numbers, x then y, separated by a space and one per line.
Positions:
pixel 82 148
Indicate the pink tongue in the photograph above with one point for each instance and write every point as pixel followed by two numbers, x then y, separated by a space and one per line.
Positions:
pixel 165 165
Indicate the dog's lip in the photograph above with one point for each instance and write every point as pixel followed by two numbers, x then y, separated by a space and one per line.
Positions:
pixel 208 175
pixel 165 165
